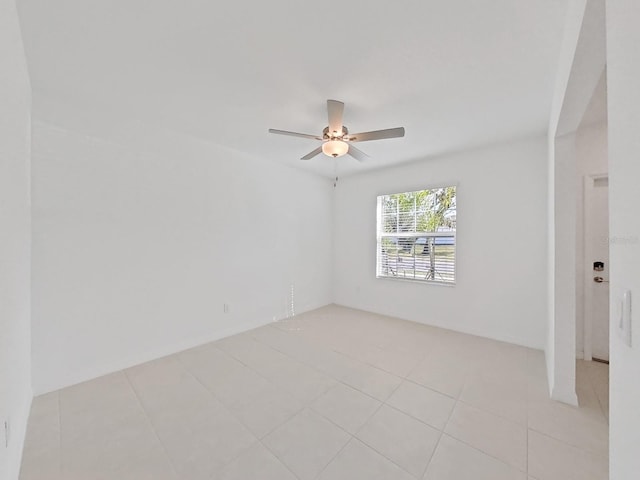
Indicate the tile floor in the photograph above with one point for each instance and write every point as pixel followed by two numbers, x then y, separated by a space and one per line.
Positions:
pixel 332 394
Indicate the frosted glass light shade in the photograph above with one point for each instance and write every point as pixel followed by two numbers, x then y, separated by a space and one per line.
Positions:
pixel 335 148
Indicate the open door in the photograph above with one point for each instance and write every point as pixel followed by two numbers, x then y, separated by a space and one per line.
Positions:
pixel 596 341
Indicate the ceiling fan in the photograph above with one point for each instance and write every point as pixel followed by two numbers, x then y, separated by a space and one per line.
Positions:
pixel 336 139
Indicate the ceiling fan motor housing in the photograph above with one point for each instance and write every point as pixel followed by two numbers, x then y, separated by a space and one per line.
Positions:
pixel 327 135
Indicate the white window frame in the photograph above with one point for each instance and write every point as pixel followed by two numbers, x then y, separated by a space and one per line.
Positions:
pixel 430 277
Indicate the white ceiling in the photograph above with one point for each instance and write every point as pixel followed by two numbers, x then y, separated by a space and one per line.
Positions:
pixel 455 73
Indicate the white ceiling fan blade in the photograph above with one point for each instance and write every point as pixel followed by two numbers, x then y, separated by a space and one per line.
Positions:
pixel 310 155
pixel 357 154
pixel 376 135
pixel 294 134
pixel 335 110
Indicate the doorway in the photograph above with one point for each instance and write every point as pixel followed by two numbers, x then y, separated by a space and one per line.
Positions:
pixel 596 261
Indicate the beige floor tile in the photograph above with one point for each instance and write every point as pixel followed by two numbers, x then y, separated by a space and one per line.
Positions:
pixel 237 387
pixel 574 425
pixel 423 403
pixel 589 402
pixel 303 382
pixel 211 362
pixel 372 381
pixel 359 462
pixel 41 456
pixel 101 421
pixel 105 441
pixel 299 386
pixel 199 434
pixel 346 407
pixel 306 443
pixel 244 348
pixel 401 438
pixel 297 347
pixel 267 411
pixel 500 397
pixel 454 460
pixel 201 443
pixel 153 466
pixel 598 379
pixel 42 448
pixel 495 436
pixel 551 459
pixel 45 411
pixel 391 361
pixel 602 393
pixel 165 387
pixel 333 364
pixel 256 463
pixel 108 393
pixel 442 375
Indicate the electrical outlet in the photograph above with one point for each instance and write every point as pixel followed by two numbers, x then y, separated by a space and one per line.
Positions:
pixel 6 433
pixel 225 308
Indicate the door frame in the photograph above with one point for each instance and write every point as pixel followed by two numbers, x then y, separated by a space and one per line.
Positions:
pixel 588 186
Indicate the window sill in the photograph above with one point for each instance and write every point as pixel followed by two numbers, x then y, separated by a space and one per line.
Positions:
pixel 412 280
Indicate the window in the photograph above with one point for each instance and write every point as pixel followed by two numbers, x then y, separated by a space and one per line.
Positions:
pixel 417 235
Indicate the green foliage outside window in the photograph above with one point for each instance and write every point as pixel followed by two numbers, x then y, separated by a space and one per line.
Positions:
pixel 421 211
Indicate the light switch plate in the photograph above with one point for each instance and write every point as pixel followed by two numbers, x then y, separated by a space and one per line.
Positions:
pixel 624 327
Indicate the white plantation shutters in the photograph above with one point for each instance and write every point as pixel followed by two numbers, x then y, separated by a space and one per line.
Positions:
pixel 416 235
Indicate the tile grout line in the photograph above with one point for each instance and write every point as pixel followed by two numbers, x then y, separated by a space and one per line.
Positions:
pixel 150 422
pixel 593 389
pixel 355 437
pixel 308 405
pixel 458 401
pixel 313 366
pixel 384 402
pixel 319 474
pixel 234 415
pixel 588 452
pixel 559 440
pixel 337 380
pixel 442 432
pixel 344 354
pixel 282 462
pixel 261 375
pixel 342 381
pixel 281 353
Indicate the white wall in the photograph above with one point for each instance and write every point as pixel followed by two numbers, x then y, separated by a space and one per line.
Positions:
pixel 581 62
pixel 623 76
pixel 138 244
pixel 15 108
pixel 561 364
pixel 573 25
pixel 501 251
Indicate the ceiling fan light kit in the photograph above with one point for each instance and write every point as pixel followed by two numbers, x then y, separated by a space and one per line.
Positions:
pixel 336 137
pixel 335 148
